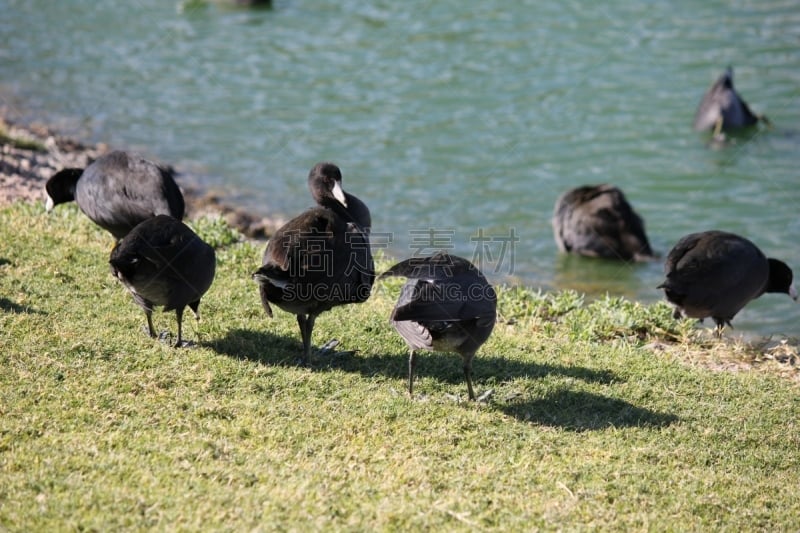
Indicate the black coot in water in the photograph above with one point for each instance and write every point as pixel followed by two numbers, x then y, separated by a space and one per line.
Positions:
pixel 723 109
pixel 714 273
pixel 597 221
pixel 163 262
pixel 321 258
pixel 118 191
pixel 446 304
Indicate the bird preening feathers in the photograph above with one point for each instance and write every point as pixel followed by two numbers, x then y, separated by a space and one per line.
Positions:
pixel 321 258
pixel 118 191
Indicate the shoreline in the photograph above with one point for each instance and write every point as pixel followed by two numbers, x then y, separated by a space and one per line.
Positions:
pixel 31 153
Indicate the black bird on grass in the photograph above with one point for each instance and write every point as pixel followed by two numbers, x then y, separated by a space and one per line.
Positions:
pixel 118 191
pixel 715 273
pixel 722 109
pixel 598 221
pixel 445 304
pixel 321 258
pixel 163 262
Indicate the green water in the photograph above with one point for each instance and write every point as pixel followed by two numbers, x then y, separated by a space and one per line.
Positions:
pixel 452 120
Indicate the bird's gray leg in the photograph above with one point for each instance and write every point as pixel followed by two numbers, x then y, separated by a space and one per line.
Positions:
pixel 306 324
pixel 149 314
pixel 179 314
pixel 412 363
pixel 468 374
pixel 720 322
pixel 718 126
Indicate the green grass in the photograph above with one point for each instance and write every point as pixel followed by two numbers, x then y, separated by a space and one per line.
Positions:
pixel 20 142
pixel 589 427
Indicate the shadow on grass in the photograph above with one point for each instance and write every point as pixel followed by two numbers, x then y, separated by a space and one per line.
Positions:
pixel 269 349
pixel 571 410
pixel 258 346
pixel 13 307
pixel 584 411
pixel 502 369
pixel 447 368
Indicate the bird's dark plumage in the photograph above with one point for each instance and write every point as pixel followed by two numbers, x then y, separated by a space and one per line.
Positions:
pixel 446 304
pixel 723 109
pixel 598 221
pixel 118 191
pixel 325 185
pixel 163 262
pixel 715 274
pixel 321 258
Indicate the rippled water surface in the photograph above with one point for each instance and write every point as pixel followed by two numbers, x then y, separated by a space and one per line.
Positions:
pixel 457 123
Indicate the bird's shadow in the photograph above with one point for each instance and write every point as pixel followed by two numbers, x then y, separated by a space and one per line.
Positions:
pixel 447 367
pixel 12 307
pixel 585 411
pixel 258 346
pixel 270 349
pixel 571 410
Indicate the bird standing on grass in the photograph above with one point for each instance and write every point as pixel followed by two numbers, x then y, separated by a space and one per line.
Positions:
pixel 118 191
pixel 715 273
pixel 163 262
pixel 321 258
pixel 445 304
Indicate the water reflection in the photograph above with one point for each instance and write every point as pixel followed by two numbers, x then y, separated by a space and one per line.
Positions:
pixel 597 277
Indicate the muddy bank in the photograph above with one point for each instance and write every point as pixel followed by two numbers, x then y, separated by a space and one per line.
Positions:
pixel 30 154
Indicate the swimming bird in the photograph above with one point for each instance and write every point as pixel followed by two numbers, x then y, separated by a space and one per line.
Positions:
pixel 118 191
pixel 445 304
pixel 723 109
pixel 321 258
pixel 163 262
pixel 715 273
pixel 598 221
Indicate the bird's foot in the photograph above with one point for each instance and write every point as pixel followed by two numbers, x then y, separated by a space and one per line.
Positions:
pixel 303 362
pixel 327 350
pixel 485 396
pixel 186 344
pixel 166 338
pixel 718 141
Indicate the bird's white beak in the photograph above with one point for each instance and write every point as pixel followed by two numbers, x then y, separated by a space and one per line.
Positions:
pixel 338 193
pixel 48 204
pixel 793 292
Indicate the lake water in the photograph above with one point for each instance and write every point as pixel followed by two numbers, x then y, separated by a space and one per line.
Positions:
pixel 459 124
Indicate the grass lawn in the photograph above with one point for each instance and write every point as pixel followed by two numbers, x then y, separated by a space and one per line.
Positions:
pixel 605 415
